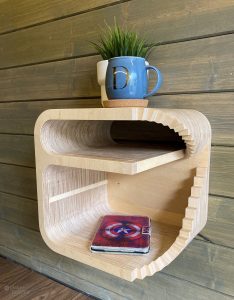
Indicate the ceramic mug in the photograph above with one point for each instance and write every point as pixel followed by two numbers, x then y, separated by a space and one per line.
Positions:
pixel 126 78
pixel 101 77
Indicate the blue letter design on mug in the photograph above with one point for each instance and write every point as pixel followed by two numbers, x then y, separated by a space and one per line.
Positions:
pixel 126 78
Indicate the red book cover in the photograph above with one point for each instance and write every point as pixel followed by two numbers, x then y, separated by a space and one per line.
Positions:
pixel 122 234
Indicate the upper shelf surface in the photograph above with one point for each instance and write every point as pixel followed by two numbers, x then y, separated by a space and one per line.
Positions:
pixel 122 159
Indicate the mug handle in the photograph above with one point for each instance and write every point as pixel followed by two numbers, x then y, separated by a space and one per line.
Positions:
pixel 158 83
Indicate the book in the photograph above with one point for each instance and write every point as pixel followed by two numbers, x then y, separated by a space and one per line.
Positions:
pixel 122 234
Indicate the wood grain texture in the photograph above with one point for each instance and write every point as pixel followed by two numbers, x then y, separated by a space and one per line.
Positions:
pixel 19 210
pixel 77 77
pixel 125 103
pixel 205 65
pixel 20 117
pixel 222 171
pixel 205 261
pixel 70 37
pixel 19 282
pixel 220 225
pixel 18 14
pixel 32 252
pixel 69 78
pixel 17 150
pixel 18 180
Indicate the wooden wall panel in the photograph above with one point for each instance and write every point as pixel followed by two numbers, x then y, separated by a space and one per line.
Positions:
pixel 63 79
pixel 196 41
pixel 220 226
pixel 166 21
pixel 222 171
pixel 33 252
pixel 19 210
pixel 17 180
pixel 23 13
pixel 193 61
pixel 205 264
pixel 17 150
pixel 20 117
pixel 198 66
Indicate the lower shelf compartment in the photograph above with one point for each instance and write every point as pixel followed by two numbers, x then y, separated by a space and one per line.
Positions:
pixel 76 199
pixel 76 240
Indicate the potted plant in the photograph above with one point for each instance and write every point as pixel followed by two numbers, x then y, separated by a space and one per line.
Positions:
pixel 123 54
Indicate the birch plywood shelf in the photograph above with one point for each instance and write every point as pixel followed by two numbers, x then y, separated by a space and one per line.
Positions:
pixel 141 161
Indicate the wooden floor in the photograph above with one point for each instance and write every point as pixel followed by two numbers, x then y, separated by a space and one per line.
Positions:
pixel 18 282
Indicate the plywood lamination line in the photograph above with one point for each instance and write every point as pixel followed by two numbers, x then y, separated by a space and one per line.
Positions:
pixel 85 171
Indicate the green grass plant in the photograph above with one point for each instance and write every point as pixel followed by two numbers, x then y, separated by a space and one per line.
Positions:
pixel 116 41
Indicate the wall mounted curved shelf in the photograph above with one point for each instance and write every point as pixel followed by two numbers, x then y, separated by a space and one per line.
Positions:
pixel 143 161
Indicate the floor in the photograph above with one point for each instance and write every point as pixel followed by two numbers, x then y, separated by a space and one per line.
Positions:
pixel 18 282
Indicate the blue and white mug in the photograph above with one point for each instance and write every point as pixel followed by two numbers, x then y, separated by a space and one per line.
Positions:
pixel 126 78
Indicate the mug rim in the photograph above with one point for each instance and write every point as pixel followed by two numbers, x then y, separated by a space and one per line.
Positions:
pixel 125 57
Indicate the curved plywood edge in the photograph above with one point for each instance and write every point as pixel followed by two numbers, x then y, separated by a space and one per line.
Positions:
pixel 193 222
pixel 191 125
pixel 74 191
pixel 89 144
